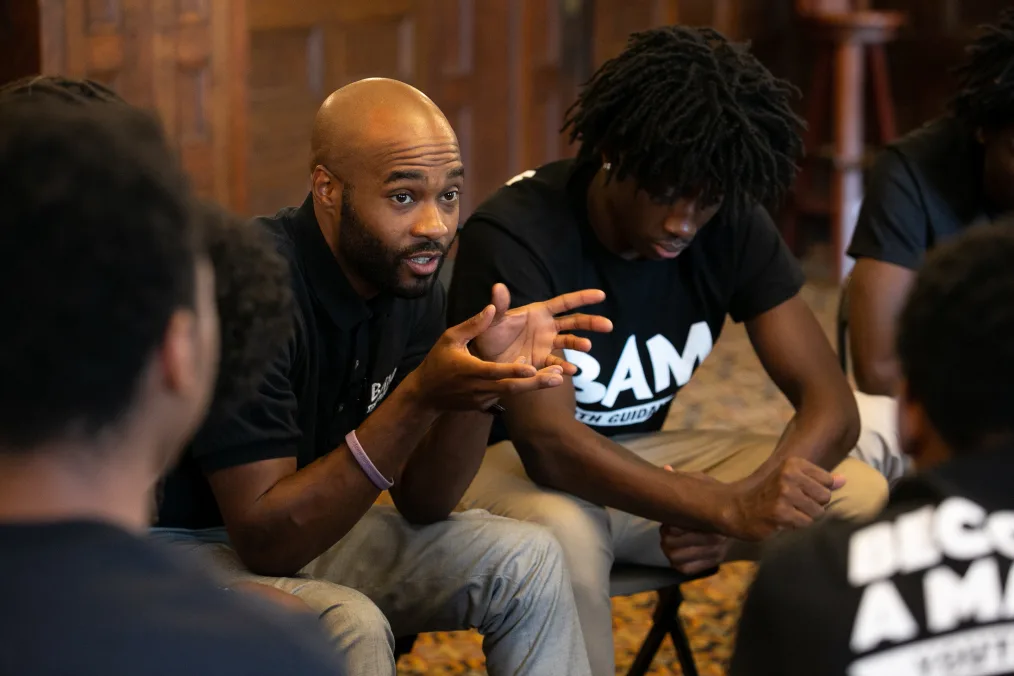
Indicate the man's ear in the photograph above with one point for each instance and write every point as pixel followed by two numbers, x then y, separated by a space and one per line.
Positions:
pixel 326 188
pixel 980 135
pixel 179 359
pixel 915 432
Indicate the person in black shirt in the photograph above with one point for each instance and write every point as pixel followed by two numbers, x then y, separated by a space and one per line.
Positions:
pixel 682 138
pixel 926 587
pixel 953 173
pixel 109 354
pixel 371 393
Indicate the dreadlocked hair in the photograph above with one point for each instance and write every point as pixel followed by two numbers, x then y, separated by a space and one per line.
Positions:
pixel 985 96
pixel 66 89
pixel 687 113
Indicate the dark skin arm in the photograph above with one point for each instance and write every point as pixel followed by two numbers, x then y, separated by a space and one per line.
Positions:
pixel 797 356
pixel 279 519
pixel 877 293
pixel 562 453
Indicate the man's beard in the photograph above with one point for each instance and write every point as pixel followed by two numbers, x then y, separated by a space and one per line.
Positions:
pixel 375 263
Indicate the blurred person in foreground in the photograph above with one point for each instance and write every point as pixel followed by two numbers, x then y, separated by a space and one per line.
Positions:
pixel 926 588
pixel 108 360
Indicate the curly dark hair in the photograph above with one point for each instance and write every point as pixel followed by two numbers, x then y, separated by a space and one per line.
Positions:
pixel 954 337
pixel 254 292
pixel 62 88
pixel 689 114
pixel 97 250
pixel 985 97
pixel 252 280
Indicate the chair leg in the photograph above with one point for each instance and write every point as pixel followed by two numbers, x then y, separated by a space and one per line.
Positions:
pixel 666 620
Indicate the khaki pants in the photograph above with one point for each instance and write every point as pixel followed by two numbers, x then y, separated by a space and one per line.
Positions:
pixel 594 538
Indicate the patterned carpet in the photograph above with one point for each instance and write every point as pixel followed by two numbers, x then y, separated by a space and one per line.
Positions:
pixel 730 391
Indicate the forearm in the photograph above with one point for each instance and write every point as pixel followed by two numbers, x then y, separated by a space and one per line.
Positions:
pixel 305 513
pixel 573 458
pixel 876 376
pixel 821 432
pixel 442 467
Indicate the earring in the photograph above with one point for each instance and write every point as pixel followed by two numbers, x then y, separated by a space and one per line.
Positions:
pixel 607 165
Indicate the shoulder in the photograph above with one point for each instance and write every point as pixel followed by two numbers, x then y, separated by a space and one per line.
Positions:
pixel 932 144
pixel 534 208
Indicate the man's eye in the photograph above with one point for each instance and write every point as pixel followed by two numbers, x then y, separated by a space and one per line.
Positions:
pixel 402 198
pixel 451 196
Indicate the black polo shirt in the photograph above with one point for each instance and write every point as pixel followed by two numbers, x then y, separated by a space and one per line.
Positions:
pixel 926 588
pixel 534 235
pixel 345 355
pixel 923 189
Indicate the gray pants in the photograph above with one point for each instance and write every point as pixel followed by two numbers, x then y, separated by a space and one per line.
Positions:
pixel 387 578
pixel 593 537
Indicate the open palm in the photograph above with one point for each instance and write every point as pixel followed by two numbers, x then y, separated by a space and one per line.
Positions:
pixel 531 333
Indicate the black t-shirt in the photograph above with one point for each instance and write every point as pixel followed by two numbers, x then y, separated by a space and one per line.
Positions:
pixel 925 589
pixel 85 598
pixel 534 236
pixel 923 189
pixel 344 357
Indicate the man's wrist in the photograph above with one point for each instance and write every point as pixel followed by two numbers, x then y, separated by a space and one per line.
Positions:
pixel 414 394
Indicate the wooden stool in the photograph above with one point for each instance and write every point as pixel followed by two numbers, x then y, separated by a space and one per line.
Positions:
pixel 845 36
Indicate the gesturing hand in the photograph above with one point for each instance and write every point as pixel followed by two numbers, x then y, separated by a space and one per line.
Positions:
pixel 451 378
pixel 532 332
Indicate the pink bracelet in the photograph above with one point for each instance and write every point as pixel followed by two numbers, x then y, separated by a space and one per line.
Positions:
pixel 369 469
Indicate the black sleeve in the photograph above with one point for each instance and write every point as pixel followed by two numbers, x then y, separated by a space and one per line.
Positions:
pixel 892 223
pixel 488 254
pixel 262 428
pixel 429 324
pixel 767 274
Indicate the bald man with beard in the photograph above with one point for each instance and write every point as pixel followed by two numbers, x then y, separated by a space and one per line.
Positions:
pixel 374 393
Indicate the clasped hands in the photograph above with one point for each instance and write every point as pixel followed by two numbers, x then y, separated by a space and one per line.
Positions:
pixel 501 351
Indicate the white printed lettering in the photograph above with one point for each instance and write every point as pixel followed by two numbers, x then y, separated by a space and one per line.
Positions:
pixel 628 375
pixel 882 616
pixel 952 599
pixel 665 359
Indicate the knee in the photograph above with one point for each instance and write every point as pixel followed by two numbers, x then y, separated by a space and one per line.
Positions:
pixel 864 494
pixel 347 615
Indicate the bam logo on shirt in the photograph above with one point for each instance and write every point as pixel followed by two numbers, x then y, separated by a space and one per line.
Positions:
pixel 667 365
pixel 378 391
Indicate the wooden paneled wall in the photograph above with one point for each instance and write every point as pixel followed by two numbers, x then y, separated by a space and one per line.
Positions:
pixel 183 58
pixel 237 81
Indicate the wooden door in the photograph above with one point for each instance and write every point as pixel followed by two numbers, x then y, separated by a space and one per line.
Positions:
pixel 301 51
pixel 178 57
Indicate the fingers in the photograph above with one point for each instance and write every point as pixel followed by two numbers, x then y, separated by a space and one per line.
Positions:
pixel 583 322
pixel 565 366
pixel 501 300
pixel 497 372
pixel 470 328
pixel 546 378
pixel 571 342
pixel 575 299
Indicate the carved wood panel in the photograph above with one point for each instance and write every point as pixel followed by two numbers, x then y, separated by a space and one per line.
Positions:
pixel 178 57
pixel 301 51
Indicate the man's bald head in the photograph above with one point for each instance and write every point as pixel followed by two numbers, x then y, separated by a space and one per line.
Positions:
pixel 366 117
pixel 385 180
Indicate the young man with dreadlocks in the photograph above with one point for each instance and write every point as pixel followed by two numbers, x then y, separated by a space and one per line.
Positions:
pixel 956 171
pixel 683 137
pixel 927 588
